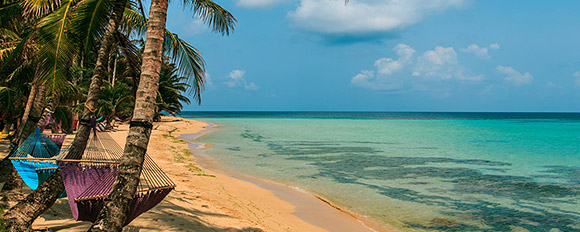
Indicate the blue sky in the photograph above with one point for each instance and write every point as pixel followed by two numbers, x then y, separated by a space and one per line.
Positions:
pixel 381 55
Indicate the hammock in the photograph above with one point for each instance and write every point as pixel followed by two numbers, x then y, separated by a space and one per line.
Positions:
pixel 57 139
pixel 89 177
pixel 35 160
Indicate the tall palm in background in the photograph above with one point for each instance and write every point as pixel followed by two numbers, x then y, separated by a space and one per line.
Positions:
pixel 172 87
pixel 113 215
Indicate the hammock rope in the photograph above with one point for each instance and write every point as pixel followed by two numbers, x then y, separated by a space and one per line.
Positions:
pixel 57 139
pixel 34 160
pixel 89 177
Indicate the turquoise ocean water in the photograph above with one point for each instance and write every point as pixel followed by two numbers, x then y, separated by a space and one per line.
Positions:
pixel 416 171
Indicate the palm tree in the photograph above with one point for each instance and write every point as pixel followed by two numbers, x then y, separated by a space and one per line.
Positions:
pixel 22 215
pixel 113 215
pixel 172 88
pixel 115 100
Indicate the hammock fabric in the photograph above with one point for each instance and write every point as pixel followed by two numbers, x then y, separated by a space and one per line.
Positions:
pixel 35 160
pixel 57 139
pixel 89 177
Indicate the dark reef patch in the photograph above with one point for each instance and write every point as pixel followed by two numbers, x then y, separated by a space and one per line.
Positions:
pixel 361 163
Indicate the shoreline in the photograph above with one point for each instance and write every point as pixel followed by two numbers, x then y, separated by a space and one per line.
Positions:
pixel 207 199
pixel 305 201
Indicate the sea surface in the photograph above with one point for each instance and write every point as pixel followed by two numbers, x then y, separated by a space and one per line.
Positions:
pixel 416 171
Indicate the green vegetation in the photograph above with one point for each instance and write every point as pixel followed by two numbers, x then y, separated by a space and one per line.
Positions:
pixel 178 157
pixel 2 225
pixel 179 141
pixel 193 168
pixel 44 44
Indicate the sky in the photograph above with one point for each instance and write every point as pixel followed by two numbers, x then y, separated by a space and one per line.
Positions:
pixel 389 55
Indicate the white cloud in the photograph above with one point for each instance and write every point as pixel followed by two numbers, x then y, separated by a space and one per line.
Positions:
pixel 236 79
pixel 195 27
pixel 515 76
pixel 364 16
pixel 577 80
pixel 440 63
pixel 208 81
pixel 388 65
pixel 385 67
pixel 258 3
pixel 480 52
pixel 368 80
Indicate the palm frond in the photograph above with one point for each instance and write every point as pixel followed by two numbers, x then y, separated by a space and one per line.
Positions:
pixel 218 18
pixel 22 73
pixel 133 22
pixel 39 8
pixel 8 98
pixel 130 51
pixel 10 12
pixel 90 20
pixel 15 53
pixel 57 48
pixel 189 62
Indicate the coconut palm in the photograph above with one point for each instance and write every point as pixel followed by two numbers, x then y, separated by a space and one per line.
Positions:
pixel 172 87
pixel 115 101
pixel 113 215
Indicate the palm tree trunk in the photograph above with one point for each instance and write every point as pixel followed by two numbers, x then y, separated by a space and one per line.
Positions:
pixel 114 71
pixel 8 172
pixel 29 103
pixel 34 116
pixel 21 216
pixel 114 214
pixel 47 111
pixel 53 186
pixel 80 142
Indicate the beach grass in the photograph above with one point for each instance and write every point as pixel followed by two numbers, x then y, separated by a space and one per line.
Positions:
pixel 182 157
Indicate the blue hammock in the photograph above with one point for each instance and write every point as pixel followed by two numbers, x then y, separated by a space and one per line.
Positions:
pixel 35 159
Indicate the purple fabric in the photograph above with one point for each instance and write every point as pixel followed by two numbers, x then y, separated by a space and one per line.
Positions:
pixel 142 202
pixel 78 180
pixel 57 139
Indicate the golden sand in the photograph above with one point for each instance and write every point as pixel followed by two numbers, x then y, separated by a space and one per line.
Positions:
pixel 211 199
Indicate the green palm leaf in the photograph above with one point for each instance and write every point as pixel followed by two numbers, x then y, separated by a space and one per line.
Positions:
pixel 218 18
pixel 90 20
pixel 189 62
pixel 40 8
pixel 57 48
pixel 8 98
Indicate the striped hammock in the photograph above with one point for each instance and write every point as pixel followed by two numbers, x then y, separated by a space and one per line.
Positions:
pixel 89 177
pixel 34 160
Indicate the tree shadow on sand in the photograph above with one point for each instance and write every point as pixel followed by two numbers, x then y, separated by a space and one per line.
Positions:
pixel 167 216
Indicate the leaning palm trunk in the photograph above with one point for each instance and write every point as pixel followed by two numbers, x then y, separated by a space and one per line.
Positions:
pixel 27 118
pixel 114 214
pixel 80 142
pixel 8 173
pixel 25 212
pixel 27 107
pixel 48 110
pixel 21 216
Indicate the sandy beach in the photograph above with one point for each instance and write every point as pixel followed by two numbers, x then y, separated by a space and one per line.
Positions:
pixel 209 198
